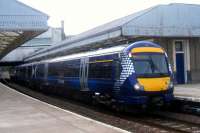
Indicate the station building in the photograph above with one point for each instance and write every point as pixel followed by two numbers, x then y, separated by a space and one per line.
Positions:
pixel 46 39
pixel 19 23
pixel 176 27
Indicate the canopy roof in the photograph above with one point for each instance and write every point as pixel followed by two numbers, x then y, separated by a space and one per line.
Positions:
pixel 18 24
pixel 173 20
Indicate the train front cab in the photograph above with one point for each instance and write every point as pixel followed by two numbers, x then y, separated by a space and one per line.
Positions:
pixel 150 82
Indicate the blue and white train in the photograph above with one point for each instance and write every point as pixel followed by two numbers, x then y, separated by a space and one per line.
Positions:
pixel 134 74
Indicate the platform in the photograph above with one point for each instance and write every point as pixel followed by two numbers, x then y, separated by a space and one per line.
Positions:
pixel 21 114
pixel 189 92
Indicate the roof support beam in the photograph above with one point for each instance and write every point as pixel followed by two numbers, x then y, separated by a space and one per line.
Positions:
pixel 27 35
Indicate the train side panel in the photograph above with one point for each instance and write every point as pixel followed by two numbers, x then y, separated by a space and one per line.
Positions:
pixel 101 76
pixel 65 77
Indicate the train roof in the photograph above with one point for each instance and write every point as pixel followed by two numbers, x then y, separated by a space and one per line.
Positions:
pixel 91 53
pixel 106 51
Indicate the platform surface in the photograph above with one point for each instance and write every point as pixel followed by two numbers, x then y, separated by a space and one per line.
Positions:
pixel 188 92
pixel 22 114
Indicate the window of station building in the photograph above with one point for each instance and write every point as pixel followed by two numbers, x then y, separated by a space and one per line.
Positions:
pixel 178 46
pixel 101 70
pixel 71 68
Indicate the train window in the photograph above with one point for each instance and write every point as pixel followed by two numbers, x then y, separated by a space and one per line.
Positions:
pixel 40 70
pixel 100 69
pixel 55 69
pixel 72 68
pixel 116 65
pixel 151 64
pixel 51 70
pixel 18 72
pixel 28 71
pixel 22 72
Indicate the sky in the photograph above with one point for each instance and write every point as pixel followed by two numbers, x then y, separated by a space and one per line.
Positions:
pixel 82 15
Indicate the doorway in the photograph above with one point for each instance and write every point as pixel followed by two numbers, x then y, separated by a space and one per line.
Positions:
pixel 181 48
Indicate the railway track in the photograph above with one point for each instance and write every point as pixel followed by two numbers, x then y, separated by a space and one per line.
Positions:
pixel 173 125
pixel 148 123
pixel 188 106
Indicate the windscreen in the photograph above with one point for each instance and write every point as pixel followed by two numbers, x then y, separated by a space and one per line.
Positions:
pixel 150 64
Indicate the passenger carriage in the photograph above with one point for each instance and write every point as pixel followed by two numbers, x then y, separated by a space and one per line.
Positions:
pixel 133 74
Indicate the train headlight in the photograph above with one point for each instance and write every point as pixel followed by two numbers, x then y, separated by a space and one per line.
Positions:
pixel 171 85
pixel 138 87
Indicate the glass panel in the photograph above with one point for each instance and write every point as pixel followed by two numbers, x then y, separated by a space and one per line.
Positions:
pixel 72 68
pixel 40 70
pixel 179 46
pixel 64 69
pixel 150 64
pixel 101 70
pixel 55 69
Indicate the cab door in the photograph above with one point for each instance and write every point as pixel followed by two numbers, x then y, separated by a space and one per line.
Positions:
pixel 84 74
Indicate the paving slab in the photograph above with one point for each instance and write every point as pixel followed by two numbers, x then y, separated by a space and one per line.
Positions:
pixel 188 91
pixel 22 114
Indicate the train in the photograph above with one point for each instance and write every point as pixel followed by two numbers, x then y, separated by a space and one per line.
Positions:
pixel 136 74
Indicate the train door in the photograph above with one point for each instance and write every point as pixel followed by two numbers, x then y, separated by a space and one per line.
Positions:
pixel 84 74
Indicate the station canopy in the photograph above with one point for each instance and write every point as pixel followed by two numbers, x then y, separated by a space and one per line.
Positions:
pixel 173 20
pixel 18 24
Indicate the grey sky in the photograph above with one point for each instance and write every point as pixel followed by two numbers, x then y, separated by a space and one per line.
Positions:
pixel 81 15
